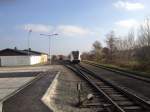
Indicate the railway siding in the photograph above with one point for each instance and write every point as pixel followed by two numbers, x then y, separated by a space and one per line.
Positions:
pixel 140 87
pixel 135 74
pixel 128 101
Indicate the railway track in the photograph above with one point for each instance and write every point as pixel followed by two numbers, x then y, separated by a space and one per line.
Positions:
pixel 122 72
pixel 113 97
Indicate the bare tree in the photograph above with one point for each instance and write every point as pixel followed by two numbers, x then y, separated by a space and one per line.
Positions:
pixel 97 50
pixel 97 45
pixel 129 46
pixel 87 56
pixel 105 55
pixel 130 41
pixel 144 34
pixel 111 43
pixel 143 50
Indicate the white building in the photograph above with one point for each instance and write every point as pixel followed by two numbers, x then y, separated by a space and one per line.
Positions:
pixel 14 57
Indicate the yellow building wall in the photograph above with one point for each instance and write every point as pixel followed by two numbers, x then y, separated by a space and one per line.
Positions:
pixel 44 58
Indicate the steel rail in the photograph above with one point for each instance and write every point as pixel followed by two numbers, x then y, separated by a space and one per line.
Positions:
pixel 135 98
pixel 122 72
pixel 117 108
pixel 82 71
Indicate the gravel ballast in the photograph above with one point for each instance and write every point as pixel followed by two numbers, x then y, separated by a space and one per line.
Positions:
pixel 138 86
pixel 64 95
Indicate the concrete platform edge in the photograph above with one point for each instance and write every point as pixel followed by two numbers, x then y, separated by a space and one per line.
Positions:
pixel 46 97
pixel 18 90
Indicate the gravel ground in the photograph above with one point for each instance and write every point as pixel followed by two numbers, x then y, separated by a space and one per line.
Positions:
pixel 134 84
pixel 63 97
pixel 29 99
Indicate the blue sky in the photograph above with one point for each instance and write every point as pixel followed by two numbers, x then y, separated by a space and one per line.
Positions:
pixel 78 22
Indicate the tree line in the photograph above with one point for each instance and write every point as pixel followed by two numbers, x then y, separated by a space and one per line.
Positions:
pixel 131 51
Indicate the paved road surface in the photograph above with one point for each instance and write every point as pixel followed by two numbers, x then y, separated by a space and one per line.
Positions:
pixel 29 99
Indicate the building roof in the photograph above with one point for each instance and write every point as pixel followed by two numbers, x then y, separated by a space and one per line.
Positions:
pixel 36 52
pixel 16 52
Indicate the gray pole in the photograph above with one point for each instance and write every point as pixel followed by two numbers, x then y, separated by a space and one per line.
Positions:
pixel 50 50
pixel 29 33
pixel 49 36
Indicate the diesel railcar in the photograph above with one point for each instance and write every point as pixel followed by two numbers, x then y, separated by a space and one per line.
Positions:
pixel 74 57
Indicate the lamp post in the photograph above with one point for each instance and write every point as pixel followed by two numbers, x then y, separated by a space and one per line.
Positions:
pixel 29 33
pixel 49 36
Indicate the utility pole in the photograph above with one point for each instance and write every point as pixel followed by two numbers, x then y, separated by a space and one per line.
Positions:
pixel 49 36
pixel 29 33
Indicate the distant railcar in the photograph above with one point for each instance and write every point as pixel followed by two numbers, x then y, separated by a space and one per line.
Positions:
pixel 74 57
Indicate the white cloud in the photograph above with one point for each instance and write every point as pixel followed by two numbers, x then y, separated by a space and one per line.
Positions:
pixel 130 6
pixel 38 27
pixel 70 30
pixel 65 30
pixel 130 23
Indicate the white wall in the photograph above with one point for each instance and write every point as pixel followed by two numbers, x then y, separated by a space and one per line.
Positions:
pixel 15 60
pixel 35 60
pixel 20 60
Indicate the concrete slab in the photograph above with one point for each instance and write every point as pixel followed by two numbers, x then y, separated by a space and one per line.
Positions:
pixel 13 83
pixel 25 69
pixel 29 99
pixel 9 85
pixel 46 99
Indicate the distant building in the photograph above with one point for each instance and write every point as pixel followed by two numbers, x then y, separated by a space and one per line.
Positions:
pixel 15 57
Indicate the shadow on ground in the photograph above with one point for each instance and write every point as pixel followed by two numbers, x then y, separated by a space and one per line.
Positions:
pixel 18 74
